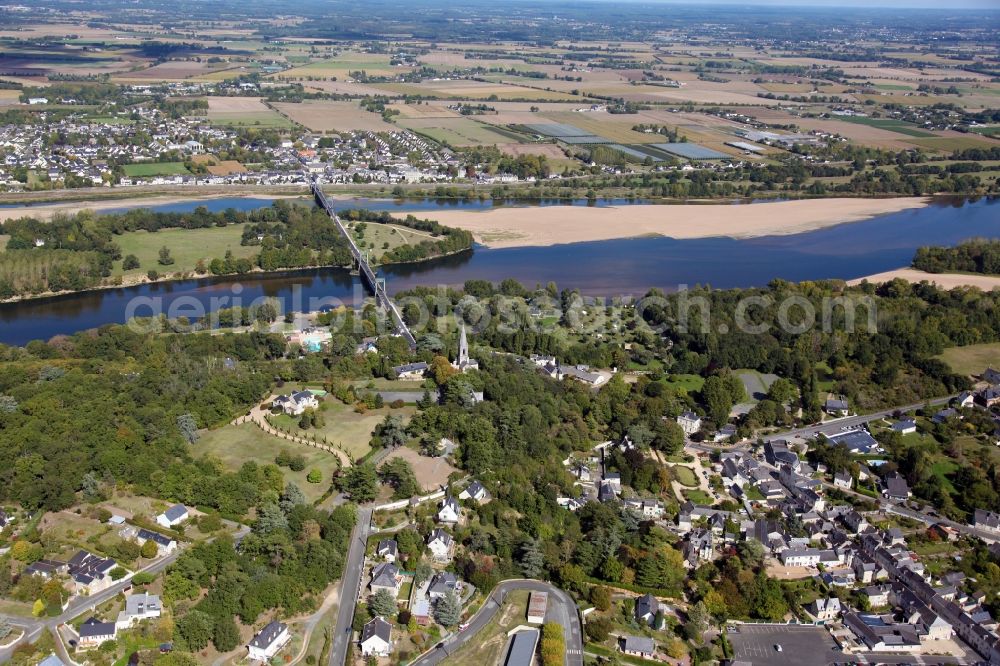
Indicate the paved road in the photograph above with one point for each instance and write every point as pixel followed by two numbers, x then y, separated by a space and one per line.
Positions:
pixel 561 610
pixel 837 425
pixel 80 605
pixel 350 584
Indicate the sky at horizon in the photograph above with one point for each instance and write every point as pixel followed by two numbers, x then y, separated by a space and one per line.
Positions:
pixel 992 5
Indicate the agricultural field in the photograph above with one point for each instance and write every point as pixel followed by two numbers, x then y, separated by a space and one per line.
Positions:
pixel 341 66
pixel 458 131
pixel 235 445
pixel 156 169
pixel 330 116
pixel 186 247
pixel 898 126
pixel 245 112
pixel 474 90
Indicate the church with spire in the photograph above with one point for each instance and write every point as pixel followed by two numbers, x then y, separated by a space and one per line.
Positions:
pixel 463 362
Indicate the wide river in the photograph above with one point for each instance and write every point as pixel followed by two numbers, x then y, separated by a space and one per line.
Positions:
pixel 604 268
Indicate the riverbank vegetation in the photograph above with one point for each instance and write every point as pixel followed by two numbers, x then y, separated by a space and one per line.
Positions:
pixel 88 250
pixel 974 256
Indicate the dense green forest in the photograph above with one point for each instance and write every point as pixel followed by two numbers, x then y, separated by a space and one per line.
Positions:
pixel 974 256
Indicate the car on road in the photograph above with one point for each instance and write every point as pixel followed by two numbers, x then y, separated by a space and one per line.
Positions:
pixel 777 647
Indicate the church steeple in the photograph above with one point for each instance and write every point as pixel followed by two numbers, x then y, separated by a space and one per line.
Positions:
pixel 463 348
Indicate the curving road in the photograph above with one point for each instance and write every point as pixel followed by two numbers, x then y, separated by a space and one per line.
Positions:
pixel 561 610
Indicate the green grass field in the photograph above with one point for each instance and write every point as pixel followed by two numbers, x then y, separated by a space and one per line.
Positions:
pixel 344 426
pixel 891 124
pixel 156 169
pixel 377 236
pixel 186 246
pixel 951 144
pixel 698 497
pixel 235 445
pixel 689 383
pixel 973 359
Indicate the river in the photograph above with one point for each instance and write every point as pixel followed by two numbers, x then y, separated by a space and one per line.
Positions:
pixel 604 268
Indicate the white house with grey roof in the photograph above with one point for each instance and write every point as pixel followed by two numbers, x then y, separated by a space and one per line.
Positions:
pixel 296 403
pixel 138 607
pixel 175 515
pixel 376 638
pixel 387 577
pixel 164 544
pixel 637 646
pixel 268 641
pixel 475 491
pixel 450 511
pixel 441 544
pixel 94 632
pixel 689 422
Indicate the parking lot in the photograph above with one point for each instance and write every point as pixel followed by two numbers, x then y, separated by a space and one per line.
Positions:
pixel 800 645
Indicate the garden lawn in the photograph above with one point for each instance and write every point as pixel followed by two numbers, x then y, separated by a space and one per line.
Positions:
pixel 235 445
pixel 344 426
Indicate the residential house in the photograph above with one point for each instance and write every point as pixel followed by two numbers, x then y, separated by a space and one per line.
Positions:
pixel 824 609
pixel 777 453
pixel 47 568
pixel 905 426
pixel 94 632
pixel 376 638
pixel 637 646
pixel 90 573
pixel 164 544
pixel 689 422
pixel 442 583
pixel 386 576
pixel 858 441
pixel 877 595
pixel 650 611
pixel 843 480
pixel 475 491
pixel 268 641
pixel 943 415
pixel 805 557
pixel 836 407
pixel 699 547
pixel 441 544
pixel 387 549
pixel 991 376
pixel 896 488
pixel 296 403
pixel 450 511
pixel 411 371
pixel 175 515
pixel 986 520
pixel 965 399
pixel 138 607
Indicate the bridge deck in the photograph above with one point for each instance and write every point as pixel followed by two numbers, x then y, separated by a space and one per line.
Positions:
pixel 368 276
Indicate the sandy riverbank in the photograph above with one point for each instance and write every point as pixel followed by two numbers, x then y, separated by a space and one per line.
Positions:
pixel 943 280
pixel 552 225
pixel 47 210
